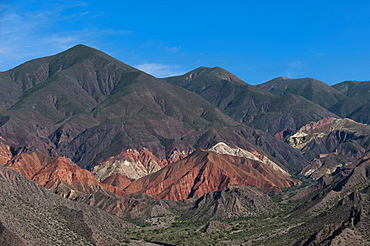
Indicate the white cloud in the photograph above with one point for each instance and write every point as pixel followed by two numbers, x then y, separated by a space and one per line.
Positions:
pixel 295 69
pixel 160 70
pixel 26 35
pixel 173 49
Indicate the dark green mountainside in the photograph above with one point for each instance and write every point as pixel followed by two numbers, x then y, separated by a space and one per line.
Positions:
pixel 358 104
pixel 87 106
pixel 349 99
pixel 250 104
pixel 311 89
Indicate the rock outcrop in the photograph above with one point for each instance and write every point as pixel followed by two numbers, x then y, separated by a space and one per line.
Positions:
pixel 132 164
pixel 117 180
pixel 323 125
pixel 223 148
pixel 207 171
pixel 59 175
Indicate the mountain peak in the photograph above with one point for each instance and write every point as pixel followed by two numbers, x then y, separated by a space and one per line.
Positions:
pixel 83 51
pixel 203 77
pixel 311 89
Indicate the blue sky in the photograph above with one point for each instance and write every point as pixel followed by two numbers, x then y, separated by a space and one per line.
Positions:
pixel 255 40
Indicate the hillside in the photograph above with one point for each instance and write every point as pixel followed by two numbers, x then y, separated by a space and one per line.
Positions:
pixel 249 104
pixel 87 106
pixel 358 104
pixel 32 215
pixel 311 89
pixel 107 154
pixel 330 144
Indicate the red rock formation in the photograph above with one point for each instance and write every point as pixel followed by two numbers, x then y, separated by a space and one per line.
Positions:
pixel 56 174
pixel 28 164
pixel 206 171
pixel 118 181
pixel 320 126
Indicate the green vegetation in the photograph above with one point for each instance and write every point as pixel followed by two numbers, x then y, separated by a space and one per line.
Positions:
pixel 276 229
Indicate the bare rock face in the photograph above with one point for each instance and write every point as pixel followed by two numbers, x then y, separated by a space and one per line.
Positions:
pixel 311 131
pixel 63 173
pixel 117 180
pixel 283 134
pixel 323 125
pixel 59 175
pixel 132 164
pixel 28 164
pixel 223 148
pixel 206 171
pixel 177 155
pixel 236 201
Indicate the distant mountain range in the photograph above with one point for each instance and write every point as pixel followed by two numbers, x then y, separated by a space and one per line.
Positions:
pixel 198 147
pixel 87 106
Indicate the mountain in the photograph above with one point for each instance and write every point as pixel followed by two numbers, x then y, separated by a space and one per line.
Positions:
pixel 311 89
pixel 131 164
pixel 207 171
pixel 66 179
pixel 87 106
pixel 358 104
pixel 172 161
pixel 331 143
pixel 355 89
pixel 249 104
pixel 32 215
pixel 59 175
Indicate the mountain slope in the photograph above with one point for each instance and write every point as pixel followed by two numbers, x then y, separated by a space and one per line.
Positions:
pixel 341 205
pixel 359 90
pixel 311 89
pixel 88 107
pixel 249 104
pixel 32 215
pixel 206 171
pixel 358 104
pixel 236 201
pixel 331 143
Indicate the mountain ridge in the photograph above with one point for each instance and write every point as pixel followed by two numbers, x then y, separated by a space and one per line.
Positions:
pixel 249 104
pixel 93 102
